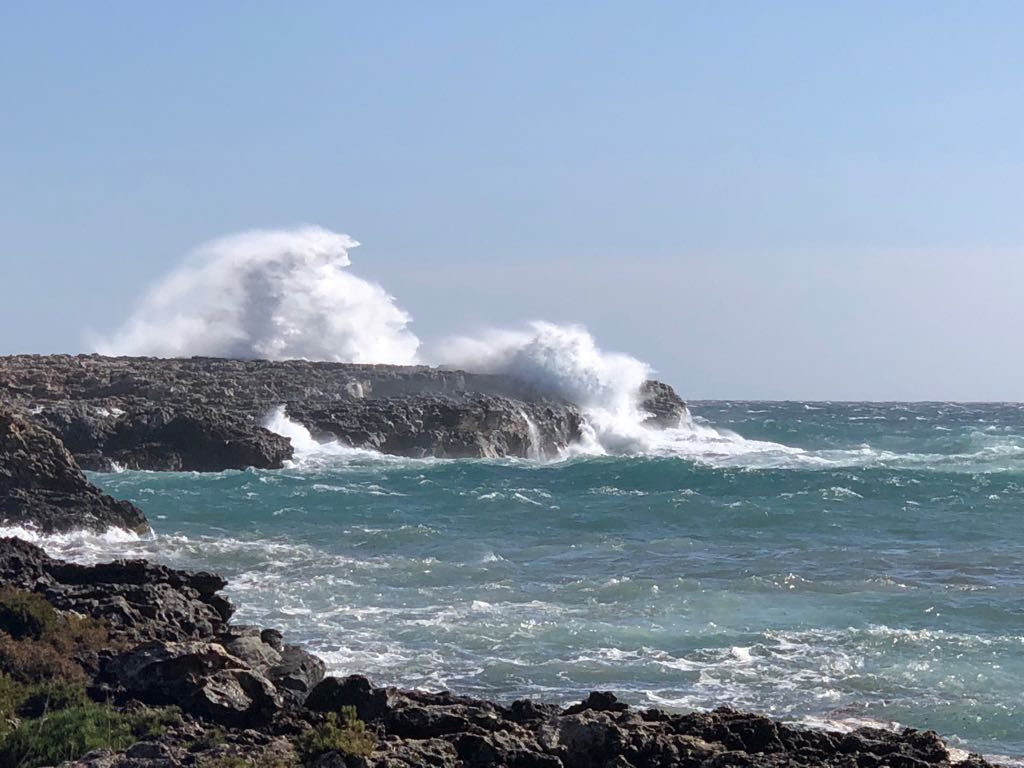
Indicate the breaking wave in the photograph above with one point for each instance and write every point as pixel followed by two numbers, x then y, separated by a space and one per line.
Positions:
pixel 565 360
pixel 286 294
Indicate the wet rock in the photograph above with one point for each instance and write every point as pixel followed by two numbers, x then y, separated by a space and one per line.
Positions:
pixel 42 486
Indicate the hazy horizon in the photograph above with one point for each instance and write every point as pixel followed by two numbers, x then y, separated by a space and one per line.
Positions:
pixel 795 202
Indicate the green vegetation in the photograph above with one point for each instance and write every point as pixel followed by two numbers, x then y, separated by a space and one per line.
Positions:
pixel 231 761
pixel 67 734
pixel 26 615
pixel 39 644
pixel 36 699
pixel 46 716
pixel 341 732
pixel 211 738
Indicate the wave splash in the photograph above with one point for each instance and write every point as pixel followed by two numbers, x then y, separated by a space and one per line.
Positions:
pixel 269 294
pixel 286 294
pixel 565 361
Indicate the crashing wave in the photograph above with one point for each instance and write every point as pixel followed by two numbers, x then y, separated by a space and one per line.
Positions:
pixel 285 294
pixel 275 295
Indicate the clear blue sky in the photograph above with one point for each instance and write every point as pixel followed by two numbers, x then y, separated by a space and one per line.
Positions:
pixel 761 199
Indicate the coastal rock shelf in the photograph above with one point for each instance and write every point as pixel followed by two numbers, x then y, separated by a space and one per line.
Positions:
pixel 160 648
pixel 206 414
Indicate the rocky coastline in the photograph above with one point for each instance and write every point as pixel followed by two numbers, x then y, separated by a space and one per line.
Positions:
pixel 132 664
pixel 207 414
pixel 135 665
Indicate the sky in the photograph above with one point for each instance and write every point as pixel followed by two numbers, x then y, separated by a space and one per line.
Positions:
pixel 784 200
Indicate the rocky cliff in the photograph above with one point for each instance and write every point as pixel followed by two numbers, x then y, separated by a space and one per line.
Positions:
pixel 206 414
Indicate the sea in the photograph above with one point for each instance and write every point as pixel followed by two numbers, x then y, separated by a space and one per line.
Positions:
pixel 831 564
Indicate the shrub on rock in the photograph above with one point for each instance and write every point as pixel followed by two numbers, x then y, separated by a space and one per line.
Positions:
pixel 25 614
pixel 70 733
pixel 342 732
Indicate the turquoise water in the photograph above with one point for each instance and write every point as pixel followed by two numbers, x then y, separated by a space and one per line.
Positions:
pixel 875 573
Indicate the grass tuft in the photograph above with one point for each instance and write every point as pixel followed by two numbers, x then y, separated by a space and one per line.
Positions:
pixel 341 732
pixel 26 615
pixel 68 734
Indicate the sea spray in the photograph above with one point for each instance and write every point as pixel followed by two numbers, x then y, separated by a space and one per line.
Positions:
pixel 535 446
pixel 565 361
pixel 285 294
pixel 310 453
pixel 270 294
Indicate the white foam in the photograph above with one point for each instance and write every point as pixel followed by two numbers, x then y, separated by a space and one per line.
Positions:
pixel 307 449
pixel 79 545
pixel 565 361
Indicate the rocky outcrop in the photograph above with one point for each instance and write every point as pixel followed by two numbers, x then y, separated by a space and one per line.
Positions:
pixel 664 406
pixel 248 699
pixel 177 646
pixel 450 426
pixel 41 485
pixel 419 728
pixel 136 600
pixel 180 437
pixel 207 414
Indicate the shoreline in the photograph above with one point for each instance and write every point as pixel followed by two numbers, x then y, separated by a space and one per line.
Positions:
pixel 170 641
pixel 173 626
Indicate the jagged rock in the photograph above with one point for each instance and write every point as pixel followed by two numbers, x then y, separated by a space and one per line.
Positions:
pixel 200 677
pixel 597 701
pixel 332 693
pixel 664 406
pixel 475 425
pixel 138 601
pixel 171 438
pixel 41 485
pixel 293 671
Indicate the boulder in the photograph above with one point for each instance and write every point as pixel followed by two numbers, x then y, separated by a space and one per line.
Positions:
pixel 663 405
pixel 292 670
pixel 332 693
pixel 200 677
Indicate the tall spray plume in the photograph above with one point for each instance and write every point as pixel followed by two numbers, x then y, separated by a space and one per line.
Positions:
pixel 270 294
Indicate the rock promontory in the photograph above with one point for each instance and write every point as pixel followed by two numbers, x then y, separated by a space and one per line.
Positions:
pixel 208 414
